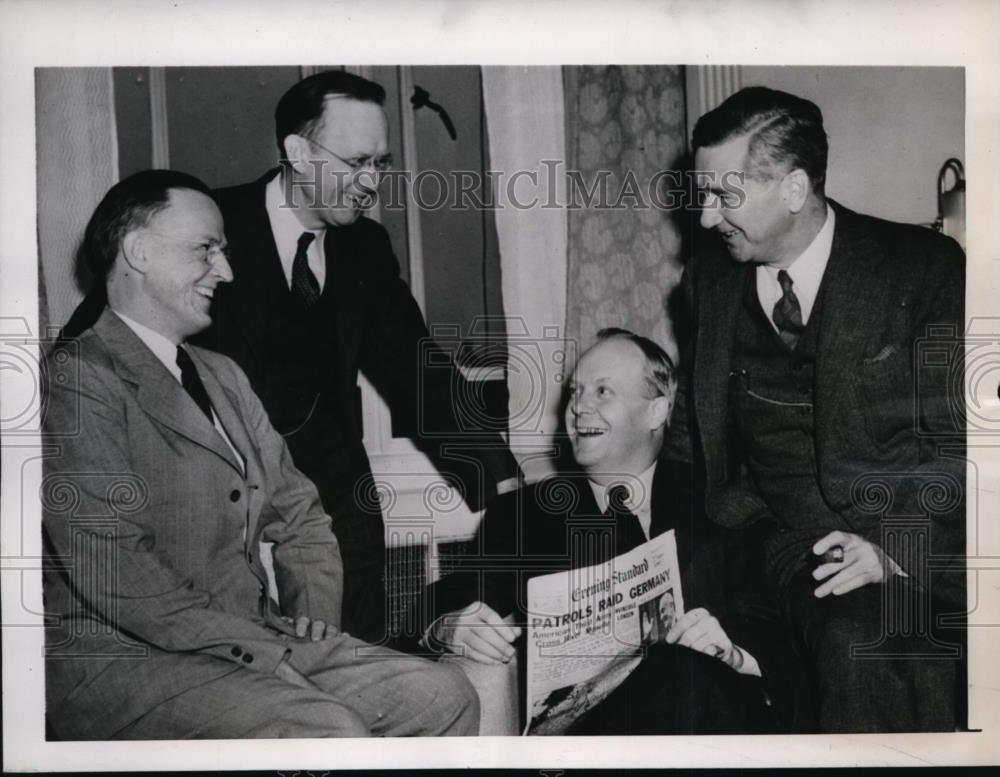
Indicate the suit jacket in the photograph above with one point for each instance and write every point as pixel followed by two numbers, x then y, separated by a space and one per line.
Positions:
pixel 153 580
pixel 526 533
pixel 889 422
pixel 376 328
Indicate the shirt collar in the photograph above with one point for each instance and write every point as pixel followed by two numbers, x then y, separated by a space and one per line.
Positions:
pixel 806 271
pixel 285 225
pixel 640 492
pixel 163 348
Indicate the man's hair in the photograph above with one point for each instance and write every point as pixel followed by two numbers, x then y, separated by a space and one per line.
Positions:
pixel 661 375
pixel 300 110
pixel 127 206
pixel 785 133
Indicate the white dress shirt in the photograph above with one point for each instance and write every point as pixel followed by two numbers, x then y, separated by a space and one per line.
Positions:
pixel 287 229
pixel 806 273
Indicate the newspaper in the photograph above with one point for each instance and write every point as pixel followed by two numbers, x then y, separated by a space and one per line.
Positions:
pixel 588 628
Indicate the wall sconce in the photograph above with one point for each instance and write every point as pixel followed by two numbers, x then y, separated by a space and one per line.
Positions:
pixel 951 202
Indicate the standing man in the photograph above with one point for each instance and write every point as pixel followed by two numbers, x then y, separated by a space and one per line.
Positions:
pixel 163 476
pixel 317 298
pixel 816 415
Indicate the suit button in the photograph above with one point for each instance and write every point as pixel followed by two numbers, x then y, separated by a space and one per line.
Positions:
pixel 248 659
pixel 237 652
pixel 234 496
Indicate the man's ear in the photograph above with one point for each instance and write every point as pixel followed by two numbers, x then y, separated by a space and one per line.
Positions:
pixel 297 152
pixel 795 188
pixel 135 251
pixel 659 412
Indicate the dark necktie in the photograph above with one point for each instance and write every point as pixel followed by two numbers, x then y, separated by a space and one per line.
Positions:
pixel 628 530
pixel 192 383
pixel 305 287
pixel 787 314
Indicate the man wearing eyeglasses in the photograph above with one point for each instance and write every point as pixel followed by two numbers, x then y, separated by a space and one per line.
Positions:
pixel 163 477
pixel 317 298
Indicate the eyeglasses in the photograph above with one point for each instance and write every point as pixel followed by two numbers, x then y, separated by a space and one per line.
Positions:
pixel 210 250
pixel 377 164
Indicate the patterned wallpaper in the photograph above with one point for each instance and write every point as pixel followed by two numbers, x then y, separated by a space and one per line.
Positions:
pixel 623 262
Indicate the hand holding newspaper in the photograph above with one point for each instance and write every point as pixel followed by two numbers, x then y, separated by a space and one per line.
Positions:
pixel 587 628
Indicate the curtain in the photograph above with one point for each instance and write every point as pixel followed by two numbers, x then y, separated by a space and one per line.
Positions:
pixel 77 153
pixel 526 128
pixel 626 126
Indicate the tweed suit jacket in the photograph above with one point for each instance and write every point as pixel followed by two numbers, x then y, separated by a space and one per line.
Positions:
pixel 153 579
pixel 889 421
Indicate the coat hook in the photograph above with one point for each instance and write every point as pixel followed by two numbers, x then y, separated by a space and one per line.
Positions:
pixel 422 97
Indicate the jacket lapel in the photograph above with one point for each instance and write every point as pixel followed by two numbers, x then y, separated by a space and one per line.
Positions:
pixel 157 391
pixel 346 289
pixel 259 285
pixel 853 292
pixel 227 406
pixel 717 306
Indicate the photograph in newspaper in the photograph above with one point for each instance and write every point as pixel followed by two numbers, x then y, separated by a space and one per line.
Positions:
pixel 588 629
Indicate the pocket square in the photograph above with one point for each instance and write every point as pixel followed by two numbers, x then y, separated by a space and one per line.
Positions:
pixel 882 355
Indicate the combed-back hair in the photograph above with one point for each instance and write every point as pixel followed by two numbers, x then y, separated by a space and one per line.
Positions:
pixel 785 133
pixel 127 206
pixel 300 110
pixel 661 375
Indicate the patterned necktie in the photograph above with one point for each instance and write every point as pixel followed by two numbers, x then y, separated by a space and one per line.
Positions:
pixel 192 383
pixel 787 314
pixel 628 530
pixel 305 287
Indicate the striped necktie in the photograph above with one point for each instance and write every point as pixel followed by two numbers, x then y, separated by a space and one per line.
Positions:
pixel 787 314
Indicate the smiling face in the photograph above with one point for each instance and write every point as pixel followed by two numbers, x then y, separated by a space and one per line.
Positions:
pixel 757 227
pixel 352 134
pixel 179 255
pixel 614 422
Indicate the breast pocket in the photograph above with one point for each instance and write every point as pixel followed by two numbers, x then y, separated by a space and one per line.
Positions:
pixel 886 394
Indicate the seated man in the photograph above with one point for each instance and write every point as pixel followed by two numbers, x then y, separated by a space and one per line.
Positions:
pixel 164 478
pixel 724 665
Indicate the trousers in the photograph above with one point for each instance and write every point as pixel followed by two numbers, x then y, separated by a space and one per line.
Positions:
pixel 880 665
pixel 361 691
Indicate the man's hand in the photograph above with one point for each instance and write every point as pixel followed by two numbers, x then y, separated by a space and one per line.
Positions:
pixel 863 563
pixel 315 630
pixel 477 632
pixel 699 630
pixel 290 674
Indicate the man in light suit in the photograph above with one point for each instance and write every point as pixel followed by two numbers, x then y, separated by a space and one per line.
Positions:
pixel 817 414
pixel 163 478
pixel 317 298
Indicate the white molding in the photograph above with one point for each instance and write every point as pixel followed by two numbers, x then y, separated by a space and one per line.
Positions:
pixel 708 85
pixel 159 122
pixel 414 239
pixel 116 172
